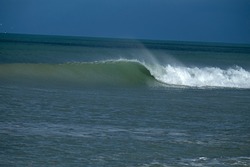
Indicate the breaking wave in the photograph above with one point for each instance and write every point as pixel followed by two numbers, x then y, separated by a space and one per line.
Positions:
pixel 125 72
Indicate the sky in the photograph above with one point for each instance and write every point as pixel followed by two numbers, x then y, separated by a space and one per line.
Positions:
pixel 182 20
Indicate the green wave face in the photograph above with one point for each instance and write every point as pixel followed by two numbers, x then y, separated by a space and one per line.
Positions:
pixel 108 73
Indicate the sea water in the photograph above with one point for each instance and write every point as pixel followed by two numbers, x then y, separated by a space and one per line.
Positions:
pixel 71 101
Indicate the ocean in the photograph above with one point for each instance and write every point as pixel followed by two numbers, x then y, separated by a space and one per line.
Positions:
pixel 79 101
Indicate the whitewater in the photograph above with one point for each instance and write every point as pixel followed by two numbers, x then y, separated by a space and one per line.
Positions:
pixel 201 77
pixel 235 77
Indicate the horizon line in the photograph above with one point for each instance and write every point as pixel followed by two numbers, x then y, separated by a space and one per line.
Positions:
pixel 130 39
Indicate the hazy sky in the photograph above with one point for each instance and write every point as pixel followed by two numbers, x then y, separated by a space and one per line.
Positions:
pixel 185 20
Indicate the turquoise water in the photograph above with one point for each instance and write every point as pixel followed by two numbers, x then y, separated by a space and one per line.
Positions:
pixel 70 101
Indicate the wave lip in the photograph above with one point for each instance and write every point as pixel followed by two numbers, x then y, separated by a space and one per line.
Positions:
pixel 235 77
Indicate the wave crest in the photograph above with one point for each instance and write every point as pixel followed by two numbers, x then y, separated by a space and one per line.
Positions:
pixel 103 73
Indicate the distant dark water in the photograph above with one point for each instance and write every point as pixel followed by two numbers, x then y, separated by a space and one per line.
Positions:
pixel 68 101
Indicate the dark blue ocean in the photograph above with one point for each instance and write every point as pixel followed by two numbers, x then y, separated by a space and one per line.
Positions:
pixel 74 101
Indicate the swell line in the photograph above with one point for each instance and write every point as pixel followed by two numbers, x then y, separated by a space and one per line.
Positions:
pixel 103 73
